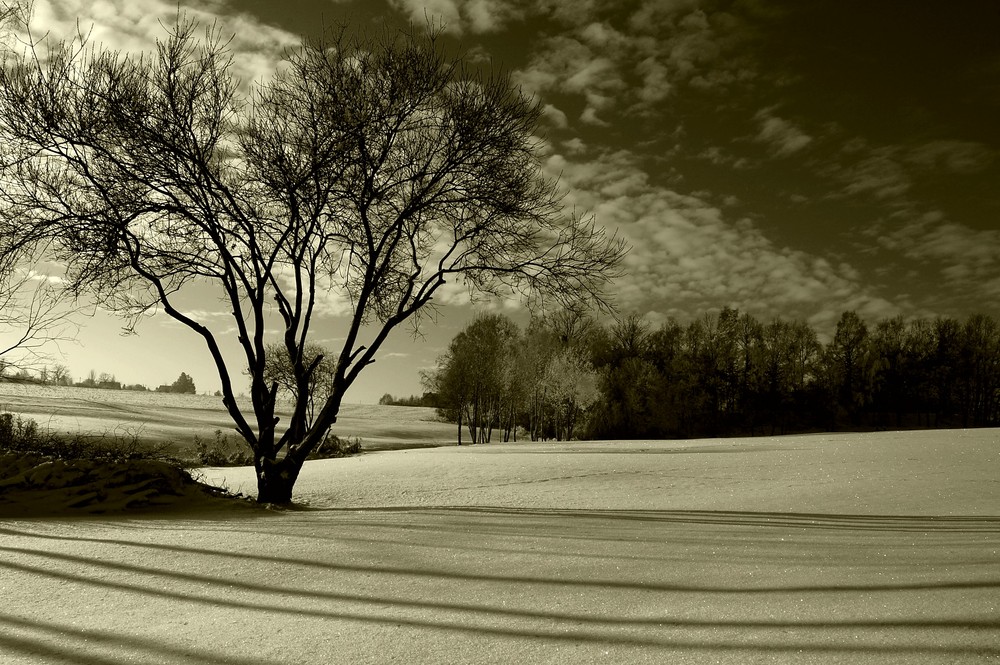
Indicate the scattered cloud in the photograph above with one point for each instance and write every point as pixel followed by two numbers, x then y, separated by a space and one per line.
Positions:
pixel 205 314
pixel 966 259
pixel 879 173
pixel 633 65
pixel 569 12
pixel 462 16
pixel 555 117
pixel 719 156
pixel 656 84
pixel 596 66
pixel 780 135
pixel 569 66
pixel 688 256
pixel 133 26
pixel 652 13
pixel 445 12
pixel 888 173
pixel 574 146
pixel 961 157
pixel 40 277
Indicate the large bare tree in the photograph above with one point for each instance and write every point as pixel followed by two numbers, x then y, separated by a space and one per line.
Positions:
pixel 370 169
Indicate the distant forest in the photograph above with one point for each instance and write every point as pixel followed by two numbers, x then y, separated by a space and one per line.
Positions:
pixel 722 375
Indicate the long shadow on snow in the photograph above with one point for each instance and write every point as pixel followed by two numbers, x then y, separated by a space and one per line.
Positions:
pixel 378 605
pixel 908 523
pixel 81 640
pixel 477 577
pixel 596 626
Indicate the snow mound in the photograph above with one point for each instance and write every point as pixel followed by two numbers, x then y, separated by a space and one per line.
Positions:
pixel 38 485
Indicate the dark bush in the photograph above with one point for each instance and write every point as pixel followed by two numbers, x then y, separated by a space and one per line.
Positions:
pixel 23 436
pixel 333 446
pixel 223 451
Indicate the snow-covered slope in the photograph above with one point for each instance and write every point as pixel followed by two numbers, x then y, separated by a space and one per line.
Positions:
pixel 881 548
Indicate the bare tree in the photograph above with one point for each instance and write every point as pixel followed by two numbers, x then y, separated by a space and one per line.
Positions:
pixel 278 370
pixel 34 315
pixel 60 376
pixel 373 170
pixel 474 375
pixel 571 387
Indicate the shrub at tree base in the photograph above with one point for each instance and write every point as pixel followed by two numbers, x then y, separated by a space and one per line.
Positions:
pixel 45 474
pixel 39 485
pixel 333 446
pixel 24 436
pixel 224 450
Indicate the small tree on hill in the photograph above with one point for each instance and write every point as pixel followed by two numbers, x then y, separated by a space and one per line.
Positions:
pixel 371 170
pixel 184 384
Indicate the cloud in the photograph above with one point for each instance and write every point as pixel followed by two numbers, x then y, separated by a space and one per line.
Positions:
pixel 134 26
pixel 888 172
pixel 967 260
pixel 782 137
pixel 569 12
pixel 439 11
pixel 574 146
pixel 555 116
pixel 688 256
pixel 567 65
pixel 656 84
pixel 632 66
pixel 880 174
pixel 590 117
pixel 719 156
pixel 962 157
pixel 40 277
pixel 462 16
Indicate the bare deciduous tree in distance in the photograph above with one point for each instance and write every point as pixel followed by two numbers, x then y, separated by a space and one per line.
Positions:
pixel 375 169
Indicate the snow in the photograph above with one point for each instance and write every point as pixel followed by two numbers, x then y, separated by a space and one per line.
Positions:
pixel 33 485
pixel 177 419
pixel 859 548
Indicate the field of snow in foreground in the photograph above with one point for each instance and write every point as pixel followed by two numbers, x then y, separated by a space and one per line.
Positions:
pixel 870 548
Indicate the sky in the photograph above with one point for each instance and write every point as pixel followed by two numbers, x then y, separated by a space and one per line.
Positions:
pixel 791 159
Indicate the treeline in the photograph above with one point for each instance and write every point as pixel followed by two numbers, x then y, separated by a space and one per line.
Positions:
pixel 427 399
pixel 722 375
pixel 59 375
pixel 495 378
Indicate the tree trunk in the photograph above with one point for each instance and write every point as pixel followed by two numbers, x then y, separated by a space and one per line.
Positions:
pixel 275 479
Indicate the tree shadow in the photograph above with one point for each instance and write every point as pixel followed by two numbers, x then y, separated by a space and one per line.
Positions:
pixel 574 636
pixel 967 524
pixel 383 600
pixel 75 642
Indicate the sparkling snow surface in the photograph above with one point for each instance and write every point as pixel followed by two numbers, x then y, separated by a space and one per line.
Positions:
pixel 847 548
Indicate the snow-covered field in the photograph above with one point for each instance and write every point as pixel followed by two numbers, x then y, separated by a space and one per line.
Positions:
pixel 870 548
pixel 177 419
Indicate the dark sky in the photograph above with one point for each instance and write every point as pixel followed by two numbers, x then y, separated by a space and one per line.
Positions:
pixel 787 158
pixel 790 159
